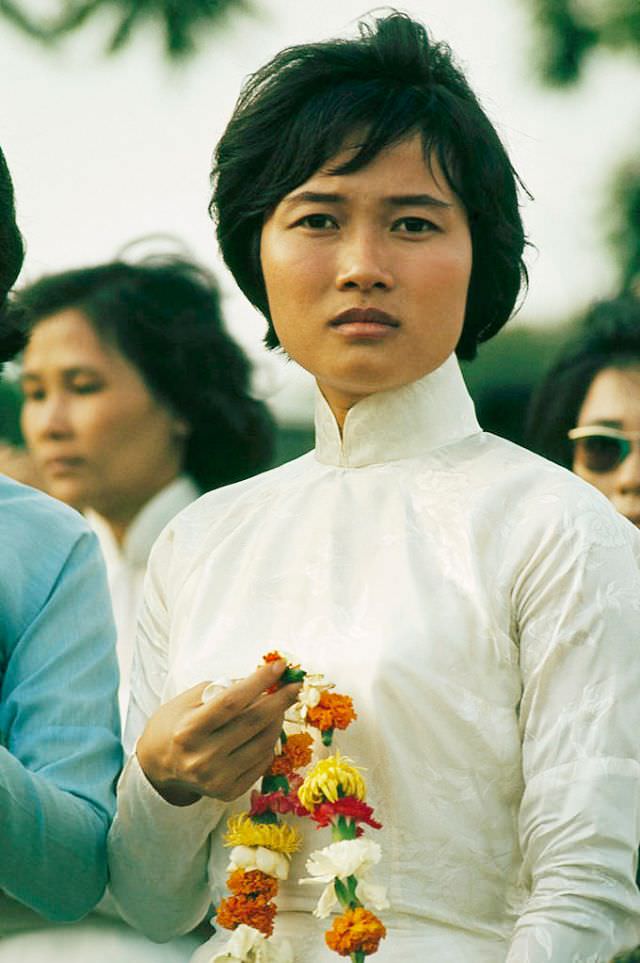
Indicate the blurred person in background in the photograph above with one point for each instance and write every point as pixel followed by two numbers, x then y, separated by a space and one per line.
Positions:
pixel 136 400
pixel 59 730
pixel 15 460
pixel 585 415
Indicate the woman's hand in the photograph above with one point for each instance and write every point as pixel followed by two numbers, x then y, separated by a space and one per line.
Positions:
pixel 219 748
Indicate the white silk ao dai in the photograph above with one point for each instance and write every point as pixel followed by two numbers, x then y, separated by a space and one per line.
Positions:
pixel 482 607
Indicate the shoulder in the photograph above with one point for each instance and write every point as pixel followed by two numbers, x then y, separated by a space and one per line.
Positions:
pixel 39 535
pixel 542 505
pixel 195 530
pixel 28 517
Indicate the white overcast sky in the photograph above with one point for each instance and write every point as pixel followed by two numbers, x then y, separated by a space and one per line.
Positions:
pixel 107 149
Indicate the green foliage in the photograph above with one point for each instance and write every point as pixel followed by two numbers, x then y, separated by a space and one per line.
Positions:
pixel 182 20
pixel 625 236
pixel 564 41
pixel 570 29
pixel 10 405
pixel 631 956
pixel 507 370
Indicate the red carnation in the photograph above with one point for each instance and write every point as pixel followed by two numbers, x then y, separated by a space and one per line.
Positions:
pixel 349 807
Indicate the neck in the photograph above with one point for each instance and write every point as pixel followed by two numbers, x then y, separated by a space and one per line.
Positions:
pixel 120 515
pixel 339 403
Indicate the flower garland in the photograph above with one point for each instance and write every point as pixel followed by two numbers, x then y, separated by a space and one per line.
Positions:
pixel 332 793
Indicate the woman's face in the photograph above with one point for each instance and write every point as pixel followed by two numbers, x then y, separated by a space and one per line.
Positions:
pixel 99 437
pixel 613 401
pixel 367 273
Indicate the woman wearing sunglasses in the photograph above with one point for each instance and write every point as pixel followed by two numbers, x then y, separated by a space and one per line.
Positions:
pixel 586 413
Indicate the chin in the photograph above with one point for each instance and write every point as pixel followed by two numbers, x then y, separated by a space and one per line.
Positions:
pixel 68 494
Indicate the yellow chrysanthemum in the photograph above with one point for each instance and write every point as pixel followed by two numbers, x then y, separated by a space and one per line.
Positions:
pixel 242 831
pixel 328 780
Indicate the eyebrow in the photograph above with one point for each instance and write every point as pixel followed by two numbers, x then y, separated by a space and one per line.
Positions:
pixel 602 423
pixel 395 200
pixel 67 372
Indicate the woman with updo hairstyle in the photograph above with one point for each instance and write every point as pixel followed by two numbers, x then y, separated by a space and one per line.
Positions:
pixel 453 584
pixel 136 400
pixel 585 415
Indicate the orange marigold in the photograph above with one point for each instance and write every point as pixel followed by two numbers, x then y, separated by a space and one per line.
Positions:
pixel 235 910
pixel 271 657
pixel 333 711
pixel 356 930
pixel 281 766
pixel 298 750
pixel 252 883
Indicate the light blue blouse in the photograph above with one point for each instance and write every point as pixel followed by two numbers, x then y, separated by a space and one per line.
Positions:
pixel 59 729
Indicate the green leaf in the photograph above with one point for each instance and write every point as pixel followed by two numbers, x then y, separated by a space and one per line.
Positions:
pixel 292 675
pixel 266 818
pixel 273 783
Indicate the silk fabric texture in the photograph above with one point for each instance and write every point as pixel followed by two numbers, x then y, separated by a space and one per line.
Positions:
pixel 482 607
pixel 127 563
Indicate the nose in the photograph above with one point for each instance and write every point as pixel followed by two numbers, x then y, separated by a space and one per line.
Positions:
pixel 628 474
pixel 49 419
pixel 363 264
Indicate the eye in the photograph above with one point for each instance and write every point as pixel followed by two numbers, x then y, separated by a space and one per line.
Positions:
pixel 33 394
pixel 317 222
pixel 414 225
pixel 85 387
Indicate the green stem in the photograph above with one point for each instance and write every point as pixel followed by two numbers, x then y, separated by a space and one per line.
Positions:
pixel 357 957
pixel 342 892
pixel 343 828
pixel 352 882
pixel 327 737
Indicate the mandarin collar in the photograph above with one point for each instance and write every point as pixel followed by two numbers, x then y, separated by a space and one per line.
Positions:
pixel 147 525
pixel 402 422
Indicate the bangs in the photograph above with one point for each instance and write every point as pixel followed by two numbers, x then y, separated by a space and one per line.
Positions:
pixel 369 116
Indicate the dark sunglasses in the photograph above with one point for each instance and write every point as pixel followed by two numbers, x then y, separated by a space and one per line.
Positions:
pixel 601 449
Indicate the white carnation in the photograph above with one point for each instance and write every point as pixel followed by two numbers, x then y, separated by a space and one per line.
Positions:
pixel 349 857
pixel 247 945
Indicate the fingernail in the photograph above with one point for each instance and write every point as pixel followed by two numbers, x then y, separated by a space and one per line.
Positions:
pixel 278 667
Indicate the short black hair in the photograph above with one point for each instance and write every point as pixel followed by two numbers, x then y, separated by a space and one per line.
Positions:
pixel 164 315
pixel 11 258
pixel 392 81
pixel 608 336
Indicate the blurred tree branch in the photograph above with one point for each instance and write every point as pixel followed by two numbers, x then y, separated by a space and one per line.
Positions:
pixel 625 235
pixel 182 20
pixel 569 31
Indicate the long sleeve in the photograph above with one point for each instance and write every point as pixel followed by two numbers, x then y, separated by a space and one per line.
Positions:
pixel 578 605
pixel 158 853
pixel 60 752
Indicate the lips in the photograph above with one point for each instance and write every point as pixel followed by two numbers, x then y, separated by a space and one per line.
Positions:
pixel 61 465
pixel 364 316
